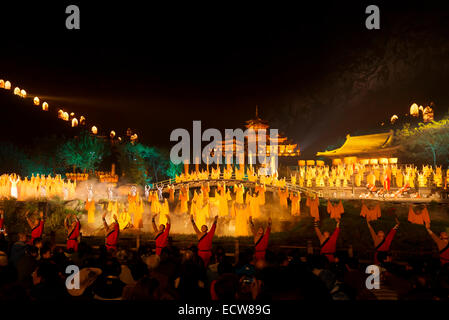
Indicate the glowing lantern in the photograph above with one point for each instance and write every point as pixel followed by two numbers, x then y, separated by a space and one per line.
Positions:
pixel 414 110
pixel 310 162
pixel 320 163
pixel 94 130
pixel 45 106
pixel 8 85
pixel 82 120
pixel 383 161
pixel 112 134
pixel 119 138
pixel 72 114
pixel 427 114
pixel 16 91
pixel 394 118
pixel 421 108
pixel 301 163
pixel 393 160
pixel 36 101
pixel 60 114
pixel 373 161
pixel 134 137
pixel 23 93
pixel 74 122
pixel 2 83
pixel 65 116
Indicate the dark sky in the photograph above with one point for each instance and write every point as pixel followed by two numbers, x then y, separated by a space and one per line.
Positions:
pixel 157 68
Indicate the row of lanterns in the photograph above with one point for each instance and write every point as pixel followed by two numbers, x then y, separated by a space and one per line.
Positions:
pixel 63 115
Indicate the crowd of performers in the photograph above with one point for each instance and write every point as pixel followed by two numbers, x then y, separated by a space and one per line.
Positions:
pixel 37 187
pixel 328 240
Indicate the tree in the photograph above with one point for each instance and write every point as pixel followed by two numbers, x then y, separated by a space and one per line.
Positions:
pixel 84 152
pixel 426 142
pixel 174 170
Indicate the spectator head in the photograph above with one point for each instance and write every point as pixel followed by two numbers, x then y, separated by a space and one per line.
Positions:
pixel 22 237
pixel 112 268
pixel 46 251
pixel 31 250
pixel 122 256
pixel 152 262
pixel 37 243
pixel 226 287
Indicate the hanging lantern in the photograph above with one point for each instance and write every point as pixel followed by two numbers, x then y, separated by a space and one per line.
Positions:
pixel 36 101
pixel 421 108
pixel 2 83
pixel 23 93
pixel 119 138
pixel 320 163
pixel 427 114
pixel 310 162
pixel 45 106
pixel 383 161
pixel 60 114
pixel 112 134
pixel 66 116
pixel 94 130
pixel 414 110
pixel 393 160
pixel 74 122
pixel 134 137
pixel 8 85
pixel 72 114
pixel 336 162
pixel 364 161
pixel 301 163
pixel 373 161
pixel 16 91
pixel 394 118
pixel 82 120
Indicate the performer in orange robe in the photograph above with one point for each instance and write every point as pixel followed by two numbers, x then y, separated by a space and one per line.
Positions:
pixel 37 226
pixel 183 198
pixel 73 232
pixel 283 195
pixel 239 191
pixel 370 214
pixel 335 211
pixel 313 206
pixel 205 240
pixel 112 233
pixel 171 197
pixel 295 198
pixel 382 243
pixel 420 217
pixel 260 239
pixel 90 207
pixel 161 234
pixel 328 243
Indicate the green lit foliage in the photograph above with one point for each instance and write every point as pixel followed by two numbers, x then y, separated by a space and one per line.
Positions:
pixel 84 152
pixel 174 170
pixel 426 142
pixel 143 164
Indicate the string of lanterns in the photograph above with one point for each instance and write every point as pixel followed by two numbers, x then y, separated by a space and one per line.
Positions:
pixel 63 115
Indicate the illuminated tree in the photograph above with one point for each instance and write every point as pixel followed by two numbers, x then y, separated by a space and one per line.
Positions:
pixel 174 169
pixel 426 142
pixel 84 152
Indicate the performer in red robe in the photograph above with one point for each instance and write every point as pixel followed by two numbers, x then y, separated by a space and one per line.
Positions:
pixel 442 242
pixel 382 243
pixel 161 234
pixel 73 232
pixel 328 242
pixel 37 226
pixel 112 233
pixel 260 239
pixel 2 222
pixel 205 240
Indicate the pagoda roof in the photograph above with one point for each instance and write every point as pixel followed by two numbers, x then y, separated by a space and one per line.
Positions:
pixel 363 145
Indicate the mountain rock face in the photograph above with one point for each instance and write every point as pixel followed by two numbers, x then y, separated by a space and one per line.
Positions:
pixel 405 62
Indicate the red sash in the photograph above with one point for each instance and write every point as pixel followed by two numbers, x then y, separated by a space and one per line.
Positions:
pixel 205 245
pixel 112 238
pixel 36 232
pixel 261 245
pixel 329 246
pixel 162 239
pixel 384 246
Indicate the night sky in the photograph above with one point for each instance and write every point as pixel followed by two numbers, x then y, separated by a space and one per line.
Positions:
pixel 316 73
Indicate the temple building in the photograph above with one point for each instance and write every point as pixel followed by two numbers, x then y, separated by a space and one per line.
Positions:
pixel 367 149
pixel 285 147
